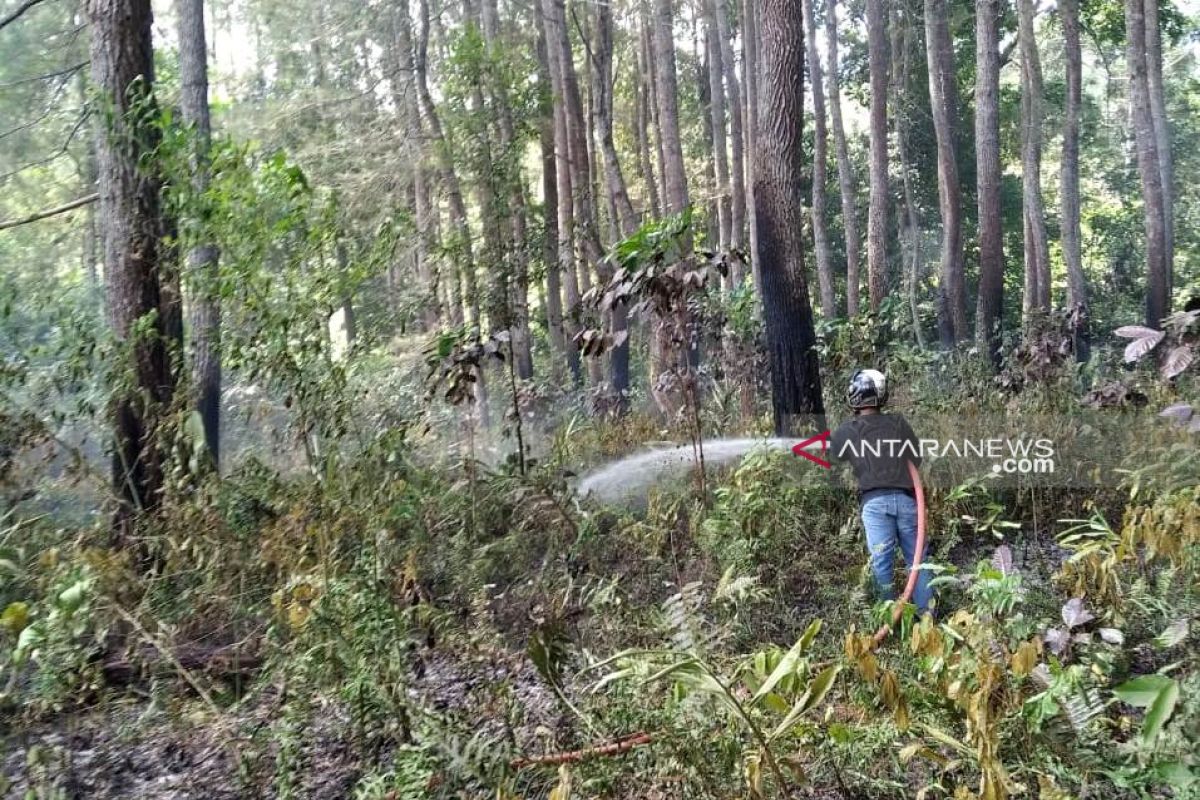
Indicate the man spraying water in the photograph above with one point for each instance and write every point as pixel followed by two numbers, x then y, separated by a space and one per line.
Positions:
pixel 878 448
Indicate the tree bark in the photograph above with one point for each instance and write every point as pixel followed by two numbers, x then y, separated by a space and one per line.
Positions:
pixel 644 121
pixel 614 179
pixel 820 167
pixel 1037 248
pixel 1071 227
pixel 550 204
pixel 202 259
pixel 845 167
pixel 651 62
pixel 943 99
pixel 674 172
pixel 1162 133
pixel 907 217
pixel 461 246
pixel 123 71
pixel 877 43
pixel 737 206
pixel 990 306
pixel 778 175
pixel 565 193
pixel 750 120
pixel 716 107
pixel 1149 168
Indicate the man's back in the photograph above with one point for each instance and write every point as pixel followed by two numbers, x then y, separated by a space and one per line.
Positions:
pixel 878 448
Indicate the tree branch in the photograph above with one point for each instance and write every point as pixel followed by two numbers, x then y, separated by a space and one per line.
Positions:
pixel 17 12
pixel 71 70
pixel 50 212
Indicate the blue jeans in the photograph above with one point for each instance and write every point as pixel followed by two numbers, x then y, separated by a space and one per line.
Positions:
pixel 889 519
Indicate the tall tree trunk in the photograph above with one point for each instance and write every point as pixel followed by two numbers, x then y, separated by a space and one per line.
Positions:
pixel 651 63
pixel 795 372
pixel 907 217
pixel 1162 133
pixel 1158 299
pixel 737 206
pixel 674 173
pixel 644 120
pixel 716 107
pixel 1071 229
pixel 1037 248
pixel 750 74
pixel 708 190
pixel 205 320
pixel 990 307
pixel 943 99
pixel 845 167
pixel 565 179
pixel 877 44
pixel 511 184
pixel 820 167
pixel 614 180
pixel 122 62
pixel 460 242
pixel 550 202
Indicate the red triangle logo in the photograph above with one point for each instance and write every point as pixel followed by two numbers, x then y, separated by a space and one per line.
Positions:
pixel 823 438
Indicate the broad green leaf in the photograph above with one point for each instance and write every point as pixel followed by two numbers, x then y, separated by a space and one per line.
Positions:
pixel 1160 711
pixel 811 698
pixel 1142 690
pixel 787 664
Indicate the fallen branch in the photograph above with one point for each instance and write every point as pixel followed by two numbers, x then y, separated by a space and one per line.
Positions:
pixel 616 748
pixel 50 212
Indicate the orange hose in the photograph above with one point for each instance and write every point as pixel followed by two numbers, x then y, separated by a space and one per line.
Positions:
pixel 884 630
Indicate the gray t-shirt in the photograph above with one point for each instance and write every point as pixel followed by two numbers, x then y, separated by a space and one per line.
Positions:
pixel 878 448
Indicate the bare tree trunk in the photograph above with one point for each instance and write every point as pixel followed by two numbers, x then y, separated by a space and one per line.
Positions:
pixel 845 167
pixel 565 193
pixel 674 172
pixel 737 206
pixel 877 271
pixel 550 207
pixel 943 99
pixel 820 167
pixel 716 106
pixel 750 123
pixel 907 217
pixel 511 183
pixel 1158 299
pixel 795 372
pixel 626 220
pixel 463 253
pixel 1071 230
pixel 1037 248
pixel 1162 133
pixel 644 120
pixel 990 307
pixel 202 258
pixel 122 62
pixel 651 63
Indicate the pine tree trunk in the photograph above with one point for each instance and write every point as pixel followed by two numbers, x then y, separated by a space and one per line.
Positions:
pixel 877 43
pixel 1071 228
pixel 750 124
pixel 660 152
pixel 1037 248
pixel 795 372
pixel 990 307
pixel 644 121
pixel 845 167
pixel 820 167
pixel 943 100
pixel 122 62
pixel 1158 299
